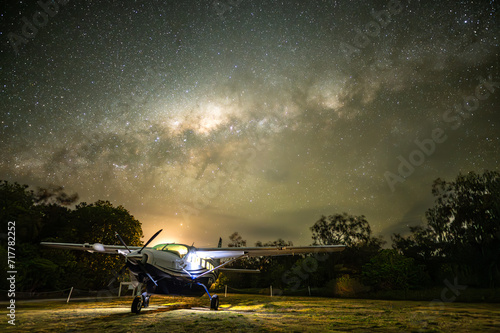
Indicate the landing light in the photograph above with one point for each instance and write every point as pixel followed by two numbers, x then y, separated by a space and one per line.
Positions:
pixel 98 247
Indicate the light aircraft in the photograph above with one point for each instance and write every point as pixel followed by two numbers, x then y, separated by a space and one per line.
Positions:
pixel 179 269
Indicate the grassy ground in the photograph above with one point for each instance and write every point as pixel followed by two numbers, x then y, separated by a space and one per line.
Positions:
pixel 254 313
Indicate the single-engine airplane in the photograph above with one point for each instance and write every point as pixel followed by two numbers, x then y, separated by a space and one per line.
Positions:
pixel 179 269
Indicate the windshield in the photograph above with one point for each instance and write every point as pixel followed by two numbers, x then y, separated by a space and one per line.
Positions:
pixel 178 249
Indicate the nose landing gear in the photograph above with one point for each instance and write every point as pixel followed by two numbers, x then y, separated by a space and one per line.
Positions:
pixel 140 302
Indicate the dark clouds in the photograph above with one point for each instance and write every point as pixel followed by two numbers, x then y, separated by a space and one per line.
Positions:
pixel 253 118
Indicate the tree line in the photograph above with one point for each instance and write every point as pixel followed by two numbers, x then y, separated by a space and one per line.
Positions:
pixel 460 239
pixel 45 215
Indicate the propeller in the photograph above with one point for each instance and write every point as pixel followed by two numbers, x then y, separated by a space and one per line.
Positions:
pixel 121 240
pixel 120 272
pixel 138 263
pixel 151 239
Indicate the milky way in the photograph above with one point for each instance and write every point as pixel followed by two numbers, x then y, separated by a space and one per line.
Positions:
pixel 209 117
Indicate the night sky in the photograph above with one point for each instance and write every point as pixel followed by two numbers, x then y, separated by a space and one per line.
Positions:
pixel 209 117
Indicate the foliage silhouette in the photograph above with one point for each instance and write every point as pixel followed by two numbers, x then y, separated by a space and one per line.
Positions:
pixel 462 231
pixel 44 215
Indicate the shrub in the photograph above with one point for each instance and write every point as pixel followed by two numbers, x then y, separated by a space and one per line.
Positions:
pixel 389 270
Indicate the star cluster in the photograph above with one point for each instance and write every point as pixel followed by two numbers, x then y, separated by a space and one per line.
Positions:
pixel 209 117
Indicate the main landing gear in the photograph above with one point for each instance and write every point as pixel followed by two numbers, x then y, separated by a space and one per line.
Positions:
pixel 139 302
pixel 214 300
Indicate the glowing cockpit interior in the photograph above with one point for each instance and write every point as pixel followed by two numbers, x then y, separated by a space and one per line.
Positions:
pixel 178 249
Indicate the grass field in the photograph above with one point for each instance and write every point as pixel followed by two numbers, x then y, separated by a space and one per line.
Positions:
pixel 253 313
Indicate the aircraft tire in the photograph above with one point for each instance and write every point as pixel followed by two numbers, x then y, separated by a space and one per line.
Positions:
pixel 137 305
pixel 214 303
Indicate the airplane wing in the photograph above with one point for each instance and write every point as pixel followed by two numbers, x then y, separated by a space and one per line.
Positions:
pixel 233 252
pixel 96 247
pixel 212 252
pixel 239 270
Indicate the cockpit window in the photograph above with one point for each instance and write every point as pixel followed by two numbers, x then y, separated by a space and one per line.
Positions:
pixel 178 249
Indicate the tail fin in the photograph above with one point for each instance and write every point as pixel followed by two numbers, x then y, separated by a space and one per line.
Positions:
pixel 220 242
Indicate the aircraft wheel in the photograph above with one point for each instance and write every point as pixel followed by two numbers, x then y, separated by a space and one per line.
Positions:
pixel 214 303
pixel 146 301
pixel 137 305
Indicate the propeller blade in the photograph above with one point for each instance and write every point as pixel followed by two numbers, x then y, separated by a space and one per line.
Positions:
pixel 150 277
pixel 121 240
pixel 149 241
pixel 120 272
pixel 145 271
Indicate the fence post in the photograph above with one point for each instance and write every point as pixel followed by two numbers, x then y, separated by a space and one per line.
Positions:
pixel 71 291
pixel 271 287
pixel 225 291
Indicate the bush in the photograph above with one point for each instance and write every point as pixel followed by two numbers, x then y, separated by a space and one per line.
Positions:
pixel 345 286
pixel 389 270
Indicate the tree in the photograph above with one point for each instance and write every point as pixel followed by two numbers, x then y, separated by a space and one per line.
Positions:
pixel 463 228
pixel 343 228
pixel 277 243
pixel 420 247
pixel 55 195
pixel 239 280
pixel 389 270
pixel 274 267
pixel 352 231
pixel 44 216
pixel 271 268
pixel 35 271
pixel 97 223
pixel 36 214
pixel 236 240
pixel 17 205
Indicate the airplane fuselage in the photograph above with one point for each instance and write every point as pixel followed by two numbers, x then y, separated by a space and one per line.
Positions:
pixel 172 269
